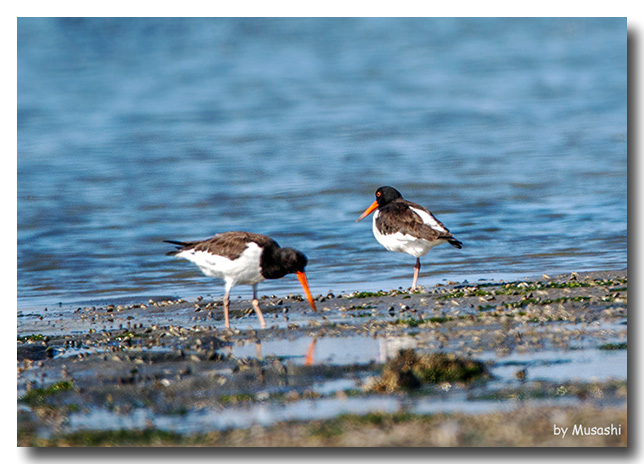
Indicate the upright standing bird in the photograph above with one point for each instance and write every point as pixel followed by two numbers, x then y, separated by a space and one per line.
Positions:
pixel 244 258
pixel 400 225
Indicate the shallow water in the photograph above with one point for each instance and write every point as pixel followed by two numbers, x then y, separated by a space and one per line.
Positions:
pixel 268 414
pixel 132 131
pixel 555 366
pixel 583 365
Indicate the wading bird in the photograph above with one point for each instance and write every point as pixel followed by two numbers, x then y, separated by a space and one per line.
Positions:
pixel 244 258
pixel 400 225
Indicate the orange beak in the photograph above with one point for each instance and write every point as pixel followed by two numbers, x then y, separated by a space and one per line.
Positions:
pixel 368 211
pixel 305 285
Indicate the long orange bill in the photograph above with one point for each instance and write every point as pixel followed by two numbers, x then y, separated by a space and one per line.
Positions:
pixel 368 211
pixel 305 285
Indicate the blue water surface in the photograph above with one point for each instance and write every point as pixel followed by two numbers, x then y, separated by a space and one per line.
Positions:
pixel 132 131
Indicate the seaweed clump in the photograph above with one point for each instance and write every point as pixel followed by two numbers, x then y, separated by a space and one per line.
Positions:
pixel 409 371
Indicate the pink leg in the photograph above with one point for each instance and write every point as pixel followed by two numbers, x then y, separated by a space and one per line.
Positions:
pixel 416 271
pixel 260 316
pixel 226 306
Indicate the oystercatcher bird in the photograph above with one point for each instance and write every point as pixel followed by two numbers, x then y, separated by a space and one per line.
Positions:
pixel 400 225
pixel 244 258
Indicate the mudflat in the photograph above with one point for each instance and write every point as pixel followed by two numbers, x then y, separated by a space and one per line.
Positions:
pixel 463 364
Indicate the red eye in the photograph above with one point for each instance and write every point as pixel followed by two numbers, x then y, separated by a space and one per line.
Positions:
pixel 377 194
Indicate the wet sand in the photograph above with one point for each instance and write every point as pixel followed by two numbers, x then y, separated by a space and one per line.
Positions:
pixel 165 372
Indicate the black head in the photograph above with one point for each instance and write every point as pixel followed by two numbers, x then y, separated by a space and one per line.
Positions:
pixel 385 195
pixel 292 260
pixel 281 261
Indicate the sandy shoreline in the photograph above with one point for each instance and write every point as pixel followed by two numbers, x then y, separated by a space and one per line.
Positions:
pixel 167 372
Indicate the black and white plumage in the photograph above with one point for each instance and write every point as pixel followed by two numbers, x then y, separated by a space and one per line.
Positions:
pixel 407 227
pixel 244 258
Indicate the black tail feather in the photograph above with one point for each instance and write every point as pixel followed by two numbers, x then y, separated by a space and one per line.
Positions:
pixel 180 246
pixel 455 243
pixel 175 242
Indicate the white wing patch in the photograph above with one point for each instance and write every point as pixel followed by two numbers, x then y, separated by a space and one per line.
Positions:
pixel 243 270
pixel 429 220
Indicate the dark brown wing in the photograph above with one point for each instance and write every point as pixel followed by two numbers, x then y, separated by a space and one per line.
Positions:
pixel 398 216
pixel 227 244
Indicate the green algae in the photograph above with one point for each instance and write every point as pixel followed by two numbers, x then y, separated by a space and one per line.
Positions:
pixel 613 346
pixel 37 396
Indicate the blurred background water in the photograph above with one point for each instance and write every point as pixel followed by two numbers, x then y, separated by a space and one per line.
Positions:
pixel 132 131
